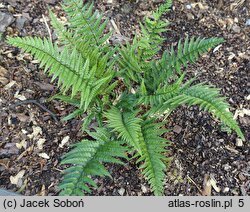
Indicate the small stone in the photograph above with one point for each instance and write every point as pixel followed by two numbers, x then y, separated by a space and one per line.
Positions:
pixel 4 80
pixel 20 22
pixel 189 6
pixel 226 189
pixel 11 9
pixel 248 22
pixel 243 190
pixel 235 192
pixel 177 129
pixel 190 16
pixel 245 120
pixel 236 28
pixel 242 177
pixel 144 189
pixel 239 142
pixel 5 20
pixel 227 167
pixel 121 191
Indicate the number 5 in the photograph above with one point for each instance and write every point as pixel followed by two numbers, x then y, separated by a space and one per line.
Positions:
pixel 241 203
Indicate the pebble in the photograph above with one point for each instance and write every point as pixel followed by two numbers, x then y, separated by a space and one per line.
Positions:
pixel 235 192
pixel 121 191
pixel 248 22
pixel 20 22
pixel 177 129
pixel 239 142
pixel 189 6
pixel 236 28
pixel 190 16
pixel 144 189
pixel 11 9
pixel 242 177
pixel 5 20
pixel 227 167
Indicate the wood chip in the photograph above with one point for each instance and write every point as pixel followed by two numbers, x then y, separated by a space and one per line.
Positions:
pixel 5 162
pixel 36 131
pixel 20 97
pixel 64 141
pixel 207 186
pixel 14 179
pixel 44 155
pixel 22 144
pixel 239 142
pixel 115 27
pixel 214 184
pixel 9 85
pixel 40 143
pixel 43 191
pixel 232 149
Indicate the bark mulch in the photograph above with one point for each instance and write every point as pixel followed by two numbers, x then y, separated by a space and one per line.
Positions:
pixel 207 160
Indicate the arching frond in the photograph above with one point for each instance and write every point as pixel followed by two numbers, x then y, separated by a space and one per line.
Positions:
pixel 135 58
pixel 189 51
pixel 209 99
pixel 72 71
pixel 86 22
pixel 87 158
pixel 153 157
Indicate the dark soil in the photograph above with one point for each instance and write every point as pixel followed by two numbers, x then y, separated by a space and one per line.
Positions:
pixel 200 150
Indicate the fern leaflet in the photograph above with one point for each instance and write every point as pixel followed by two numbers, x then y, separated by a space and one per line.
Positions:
pixel 126 124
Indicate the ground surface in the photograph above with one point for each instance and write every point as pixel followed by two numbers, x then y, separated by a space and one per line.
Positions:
pixel 30 137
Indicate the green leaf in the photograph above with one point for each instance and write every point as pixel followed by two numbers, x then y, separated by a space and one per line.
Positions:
pixel 126 124
pixel 86 160
pixel 153 155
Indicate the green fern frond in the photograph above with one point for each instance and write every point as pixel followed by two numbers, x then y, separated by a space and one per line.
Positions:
pixel 87 157
pixel 164 8
pixel 171 62
pixel 209 99
pixel 126 124
pixel 69 67
pixel 67 99
pixel 189 51
pixel 136 58
pixel 86 22
pixel 73 38
pixel 150 41
pixel 129 63
pixel 62 33
pixel 153 157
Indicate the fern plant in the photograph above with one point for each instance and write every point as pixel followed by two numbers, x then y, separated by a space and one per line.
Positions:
pixel 88 71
